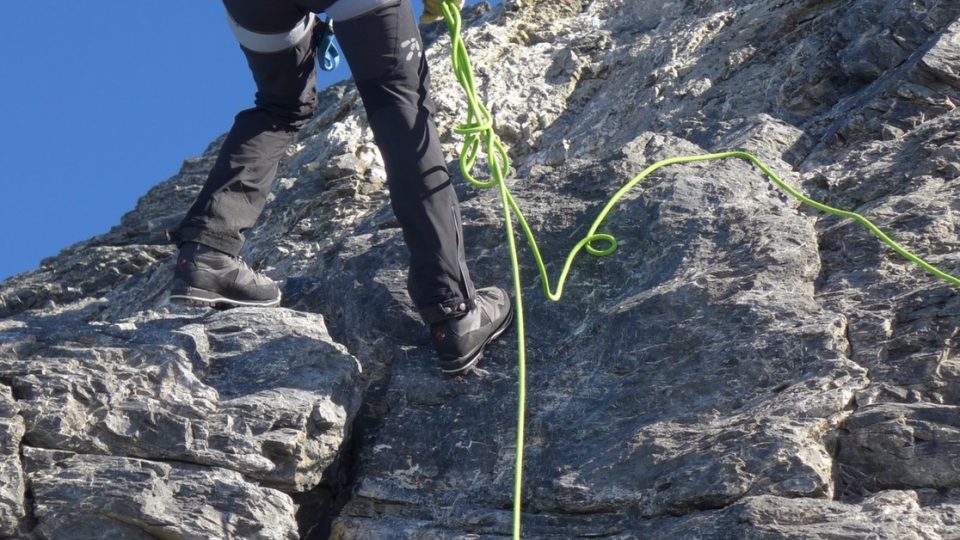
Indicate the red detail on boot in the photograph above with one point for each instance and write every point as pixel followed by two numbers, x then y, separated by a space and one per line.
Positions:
pixel 181 261
pixel 439 336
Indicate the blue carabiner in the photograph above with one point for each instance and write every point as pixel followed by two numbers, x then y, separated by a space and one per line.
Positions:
pixel 328 55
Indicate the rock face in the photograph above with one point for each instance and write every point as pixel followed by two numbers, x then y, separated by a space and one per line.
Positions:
pixel 90 496
pixel 742 367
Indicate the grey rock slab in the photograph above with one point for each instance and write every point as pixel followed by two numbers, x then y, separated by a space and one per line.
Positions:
pixel 78 496
pixel 913 515
pixel 907 514
pixel 900 445
pixel 263 392
pixel 943 59
pixel 12 483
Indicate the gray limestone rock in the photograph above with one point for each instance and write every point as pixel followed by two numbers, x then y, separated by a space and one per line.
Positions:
pixel 263 392
pixel 264 395
pixel 78 496
pixel 12 504
pixel 742 366
pixel 899 446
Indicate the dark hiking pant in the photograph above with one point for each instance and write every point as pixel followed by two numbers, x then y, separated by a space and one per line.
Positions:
pixel 384 50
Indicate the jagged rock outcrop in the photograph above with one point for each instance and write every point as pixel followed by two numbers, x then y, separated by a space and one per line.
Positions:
pixel 95 496
pixel 12 480
pixel 742 367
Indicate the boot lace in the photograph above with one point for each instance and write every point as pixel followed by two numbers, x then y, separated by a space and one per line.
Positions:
pixel 245 269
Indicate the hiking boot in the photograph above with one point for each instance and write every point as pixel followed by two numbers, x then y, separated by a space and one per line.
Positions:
pixel 209 276
pixel 460 341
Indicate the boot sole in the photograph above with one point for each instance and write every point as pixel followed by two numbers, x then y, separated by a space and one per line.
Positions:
pixel 465 364
pixel 192 295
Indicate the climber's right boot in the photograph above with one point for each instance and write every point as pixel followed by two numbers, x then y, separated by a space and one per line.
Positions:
pixel 460 341
pixel 209 276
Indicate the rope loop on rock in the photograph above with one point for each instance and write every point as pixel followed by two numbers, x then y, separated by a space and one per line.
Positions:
pixel 479 134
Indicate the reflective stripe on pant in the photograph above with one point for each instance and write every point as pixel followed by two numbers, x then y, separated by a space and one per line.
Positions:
pixel 384 50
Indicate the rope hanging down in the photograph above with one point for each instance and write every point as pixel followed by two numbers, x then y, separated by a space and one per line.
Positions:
pixel 478 134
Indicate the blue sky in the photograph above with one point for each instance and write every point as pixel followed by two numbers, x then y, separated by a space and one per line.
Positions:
pixel 100 100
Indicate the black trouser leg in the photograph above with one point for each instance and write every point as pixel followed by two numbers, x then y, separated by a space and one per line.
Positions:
pixel 384 51
pixel 385 54
pixel 238 185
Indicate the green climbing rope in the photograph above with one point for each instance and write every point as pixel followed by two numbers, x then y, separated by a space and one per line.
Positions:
pixel 478 134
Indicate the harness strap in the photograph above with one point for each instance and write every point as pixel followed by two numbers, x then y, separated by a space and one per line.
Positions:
pixel 344 10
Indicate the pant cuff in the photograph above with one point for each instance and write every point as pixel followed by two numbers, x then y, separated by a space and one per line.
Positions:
pixel 230 246
pixel 448 309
